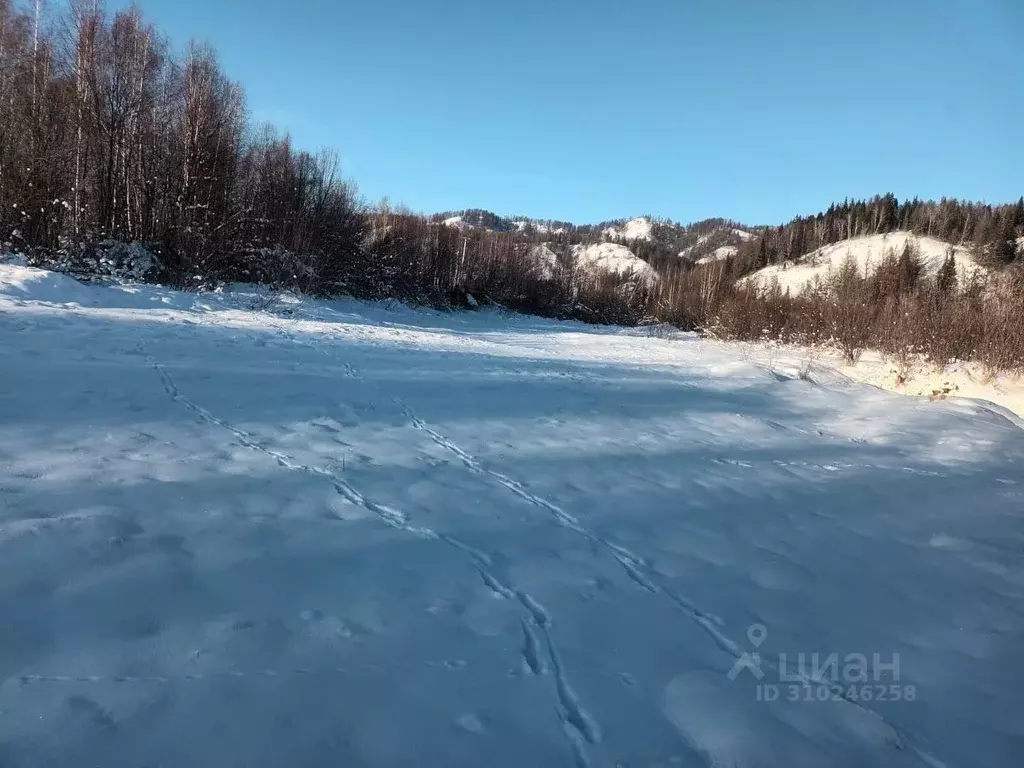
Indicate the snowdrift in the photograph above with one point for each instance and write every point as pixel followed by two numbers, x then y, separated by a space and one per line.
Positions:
pixel 29 283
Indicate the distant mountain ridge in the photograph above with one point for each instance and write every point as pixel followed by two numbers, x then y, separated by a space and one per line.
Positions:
pixel 980 234
pixel 648 238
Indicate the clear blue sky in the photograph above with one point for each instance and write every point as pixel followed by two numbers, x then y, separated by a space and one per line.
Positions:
pixel 594 109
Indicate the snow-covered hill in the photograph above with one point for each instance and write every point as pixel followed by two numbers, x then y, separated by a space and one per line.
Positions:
pixel 614 258
pixel 701 242
pixel 867 253
pixel 538 227
pixel 477 218
pixel 590 257
pixel 340 533
pixel 706 244
pixel 641 228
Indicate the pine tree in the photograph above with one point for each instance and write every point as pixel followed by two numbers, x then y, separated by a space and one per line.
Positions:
pixel 909 269
pixel 946 279
pixel 762 253
pixel 1004 249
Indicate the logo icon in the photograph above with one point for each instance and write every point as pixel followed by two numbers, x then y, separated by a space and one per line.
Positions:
pixel 756 634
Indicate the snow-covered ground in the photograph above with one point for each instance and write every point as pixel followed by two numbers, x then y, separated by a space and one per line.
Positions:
pixel 867 253
pixel 346 534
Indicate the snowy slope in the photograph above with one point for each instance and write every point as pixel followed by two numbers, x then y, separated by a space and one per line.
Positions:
pixel 342 534
pixel 545 259
pixel 867 252
pixel 691 250
pixel 715 244
pixel 615 258
pixel 457 221
pixel 719 254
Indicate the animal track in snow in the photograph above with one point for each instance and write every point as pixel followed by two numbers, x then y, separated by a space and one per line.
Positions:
pixel 580 726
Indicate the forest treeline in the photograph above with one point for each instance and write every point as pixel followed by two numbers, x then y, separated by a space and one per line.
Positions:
pixel 109 138
pixel 105 135
pixel 991 231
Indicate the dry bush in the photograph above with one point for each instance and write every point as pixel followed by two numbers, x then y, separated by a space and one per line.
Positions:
pixel 1001 343
pixel 896 312
pixel 849 314
pixel 894 333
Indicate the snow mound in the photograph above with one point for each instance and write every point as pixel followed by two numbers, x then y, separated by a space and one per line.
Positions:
pixel 17 259
pixel 23 285
pixel 31 284
pixel 640 228
pixel 614 258
pixel 743 234
pixel 867 252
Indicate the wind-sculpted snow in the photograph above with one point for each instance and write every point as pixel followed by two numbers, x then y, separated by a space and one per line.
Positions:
pixel 339 533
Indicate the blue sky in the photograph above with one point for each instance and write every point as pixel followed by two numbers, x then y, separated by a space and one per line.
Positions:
pixel 593 109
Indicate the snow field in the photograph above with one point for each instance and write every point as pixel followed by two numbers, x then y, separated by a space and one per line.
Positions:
pixel 337 532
